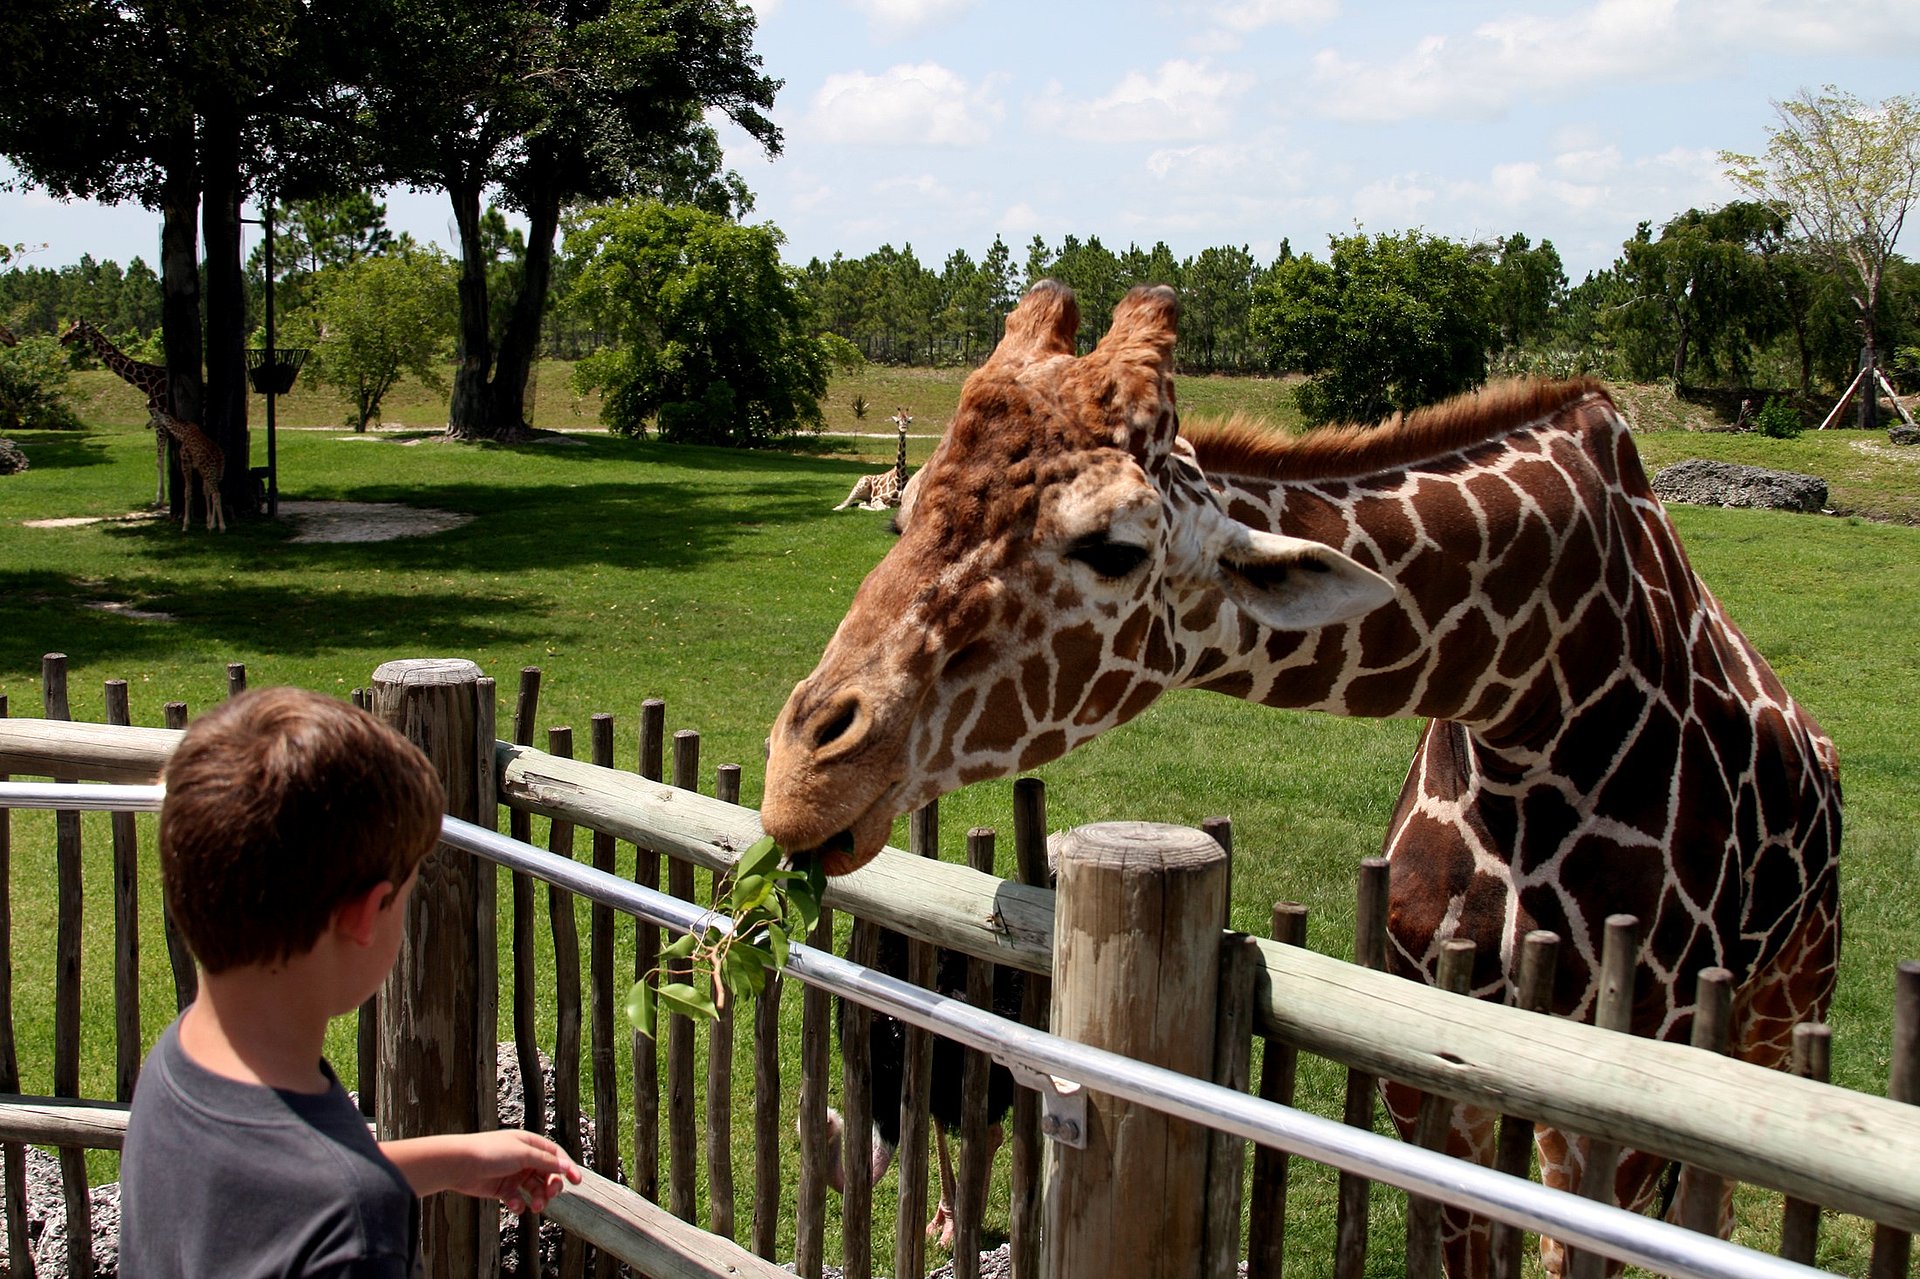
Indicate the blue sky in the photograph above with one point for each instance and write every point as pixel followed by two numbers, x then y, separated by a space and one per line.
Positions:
pixel 940 123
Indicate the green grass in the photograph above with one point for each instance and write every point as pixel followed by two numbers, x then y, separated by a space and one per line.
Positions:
pixel 629 570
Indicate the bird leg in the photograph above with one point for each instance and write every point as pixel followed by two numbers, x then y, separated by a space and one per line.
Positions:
pixel 940 1229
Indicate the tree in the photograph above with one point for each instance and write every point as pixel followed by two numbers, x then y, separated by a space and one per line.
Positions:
pixel 375 320
pixel 1702 292
pixel 312 235
pixel 1384 325
pixel 553 106
pixel 1529 284
pixel 1846 173
pixel 712 340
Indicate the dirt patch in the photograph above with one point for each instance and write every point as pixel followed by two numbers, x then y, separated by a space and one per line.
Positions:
pixel 78 521
pixel 366 521
pixel 120 608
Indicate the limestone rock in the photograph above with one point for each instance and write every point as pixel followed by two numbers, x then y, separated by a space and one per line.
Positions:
pixel 1703 483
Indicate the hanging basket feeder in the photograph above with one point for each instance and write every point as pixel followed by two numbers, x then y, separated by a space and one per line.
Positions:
pixel 273 372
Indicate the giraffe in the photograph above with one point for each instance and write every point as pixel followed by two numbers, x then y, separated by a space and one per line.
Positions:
pixel 148 379
pixel 880 491
pixel 200 459
pixel 7 337
pixel 1602 739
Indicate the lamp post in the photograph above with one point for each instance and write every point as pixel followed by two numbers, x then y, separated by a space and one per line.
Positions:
pixel 273 369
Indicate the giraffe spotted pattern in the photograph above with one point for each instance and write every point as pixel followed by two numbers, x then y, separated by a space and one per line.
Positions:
pixel 1603 739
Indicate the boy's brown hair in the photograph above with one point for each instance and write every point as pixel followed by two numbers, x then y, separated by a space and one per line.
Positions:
pixel 281 805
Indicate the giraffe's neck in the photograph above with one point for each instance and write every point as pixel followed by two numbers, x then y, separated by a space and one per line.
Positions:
pixel 141 376
pixel 900 461
pixel 1525 568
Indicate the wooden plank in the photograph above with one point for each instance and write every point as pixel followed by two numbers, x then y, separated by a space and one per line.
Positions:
pixel 55 1121
pixel 1232 1068
pixel 1025 1203
pixel 816 1034
pixel 767 1129
pixel 1453 975
pixel 1279 1074
pixel 13 1156
pixel 186 978
pixel 126 925
pixel 601 1001
pixel 719 1125
pixel 566 996
pixel 1800 1218
pixel 916 1076
pixel 66 989
pixel 1513 1148
pixel 1369 951
pixel 1893 1246
pixel 683 1125
pixel 855 1153
pixel 70 752
pixel 652 1241
pixel 1619 958
pixel 1705 1204
pixel 646 955
pixel 524 926
pixel 976 1151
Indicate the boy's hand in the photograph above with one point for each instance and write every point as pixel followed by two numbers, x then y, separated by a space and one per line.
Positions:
pixel 522 1170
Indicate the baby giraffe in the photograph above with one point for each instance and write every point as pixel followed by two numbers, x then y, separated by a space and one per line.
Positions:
pixel 880 491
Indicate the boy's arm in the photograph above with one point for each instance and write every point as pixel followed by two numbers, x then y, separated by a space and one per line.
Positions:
pixel 518 1168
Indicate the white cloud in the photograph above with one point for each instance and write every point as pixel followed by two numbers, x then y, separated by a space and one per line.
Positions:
pixel 1481 74
pixel 920 105
pixel 1180 100
pixel 895 18
pixel 1393 203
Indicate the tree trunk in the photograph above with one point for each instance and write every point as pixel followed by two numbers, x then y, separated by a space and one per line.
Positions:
pixel 467 416
pixel 1680 358
pixel 520 342
pixel 180 293
pixel 225 421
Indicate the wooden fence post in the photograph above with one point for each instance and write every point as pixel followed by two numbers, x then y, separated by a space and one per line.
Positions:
pixel 437 1007
pixel 1135 971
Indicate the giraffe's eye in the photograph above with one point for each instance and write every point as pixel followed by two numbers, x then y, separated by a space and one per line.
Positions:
pixel 1110 559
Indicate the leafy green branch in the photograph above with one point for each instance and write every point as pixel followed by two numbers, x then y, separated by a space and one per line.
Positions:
pixel 758 908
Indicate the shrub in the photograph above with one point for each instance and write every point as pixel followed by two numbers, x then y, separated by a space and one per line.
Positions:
pixel 1777 419
pixel 33 386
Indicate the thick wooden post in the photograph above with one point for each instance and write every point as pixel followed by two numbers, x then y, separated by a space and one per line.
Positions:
pixel 1135 970
pixel 437 1007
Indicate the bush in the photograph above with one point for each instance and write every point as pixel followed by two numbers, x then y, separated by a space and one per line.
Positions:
pixel 1777 419
pixel 33 386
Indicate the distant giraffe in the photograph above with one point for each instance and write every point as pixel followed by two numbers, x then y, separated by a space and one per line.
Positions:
pixel 201 459
pixel 878 492
pixel 7 338
pixel 148 379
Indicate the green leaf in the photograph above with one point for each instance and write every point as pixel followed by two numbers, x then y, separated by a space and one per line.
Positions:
pixel 641 1010
pixel 688 1001
pixel 751 891
pixel 680 948
pixel 777 944
pixel 761 858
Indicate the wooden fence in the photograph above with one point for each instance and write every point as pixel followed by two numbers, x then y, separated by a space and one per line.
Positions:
pixel 1819 1145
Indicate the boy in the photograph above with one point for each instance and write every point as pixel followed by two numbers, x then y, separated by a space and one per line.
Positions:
pixel 290 840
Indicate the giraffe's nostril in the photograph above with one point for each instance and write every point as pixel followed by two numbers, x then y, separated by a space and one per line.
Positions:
pixel 836 723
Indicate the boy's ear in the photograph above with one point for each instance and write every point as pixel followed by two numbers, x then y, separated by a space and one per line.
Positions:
pixel 356 916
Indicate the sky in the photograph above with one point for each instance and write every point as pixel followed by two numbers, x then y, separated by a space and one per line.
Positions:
pixel 942 123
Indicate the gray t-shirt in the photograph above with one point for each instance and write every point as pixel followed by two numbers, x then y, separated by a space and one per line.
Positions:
pixel 228 1180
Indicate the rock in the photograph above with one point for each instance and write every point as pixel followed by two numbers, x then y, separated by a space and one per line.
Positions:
pixel 12 460
pixel 1901 434
pixel 1703 483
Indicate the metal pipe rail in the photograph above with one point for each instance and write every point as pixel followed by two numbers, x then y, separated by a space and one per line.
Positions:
pixel 1643 1241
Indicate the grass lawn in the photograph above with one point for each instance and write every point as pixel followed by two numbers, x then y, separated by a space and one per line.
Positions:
pixel 629 569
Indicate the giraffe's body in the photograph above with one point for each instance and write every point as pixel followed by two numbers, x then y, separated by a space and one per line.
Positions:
pixel 1603 740
pixel 201 460
pixel 883 489
pixel 148 379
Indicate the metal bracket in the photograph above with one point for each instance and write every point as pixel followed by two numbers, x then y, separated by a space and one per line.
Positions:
pixel 1063 1104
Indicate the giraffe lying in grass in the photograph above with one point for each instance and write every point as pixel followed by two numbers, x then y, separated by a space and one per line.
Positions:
pixel 1602 740
pixel 883 490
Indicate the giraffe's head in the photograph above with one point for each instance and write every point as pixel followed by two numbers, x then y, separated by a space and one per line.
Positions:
pixel 75 332
pixel 1055 555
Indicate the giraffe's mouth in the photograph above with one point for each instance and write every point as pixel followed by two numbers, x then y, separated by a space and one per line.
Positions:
pixel 846 850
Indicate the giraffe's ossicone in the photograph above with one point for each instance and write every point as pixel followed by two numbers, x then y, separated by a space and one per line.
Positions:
pixel 1603 739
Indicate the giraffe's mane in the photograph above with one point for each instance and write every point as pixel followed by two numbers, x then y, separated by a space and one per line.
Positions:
pixel 1243 445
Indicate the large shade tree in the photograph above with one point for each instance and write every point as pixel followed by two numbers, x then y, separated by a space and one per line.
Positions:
pixel 1846 172
pixel 549 104
pixel 187 109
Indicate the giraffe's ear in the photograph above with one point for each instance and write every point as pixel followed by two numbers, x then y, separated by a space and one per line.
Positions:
pixel 1145 326
pixel 1293 584
pixel 1043 324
